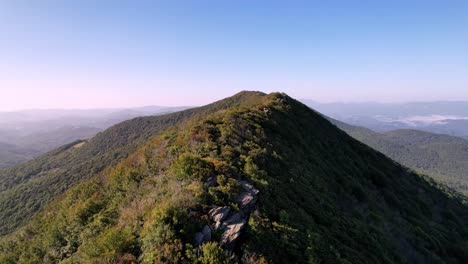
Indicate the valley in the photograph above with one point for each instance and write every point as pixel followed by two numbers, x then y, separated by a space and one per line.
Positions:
pixel 29 133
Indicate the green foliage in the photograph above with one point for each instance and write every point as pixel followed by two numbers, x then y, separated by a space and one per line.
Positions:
pixel 227 189
pixel 112 243
pixel 189 166
pixel 209 253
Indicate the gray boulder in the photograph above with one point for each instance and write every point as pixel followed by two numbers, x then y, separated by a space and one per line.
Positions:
pixel 249 197
pixel 232 230
pixel 203 236
pixel 206 233
pixel 198 239
pixel 219 214
pixel 248 187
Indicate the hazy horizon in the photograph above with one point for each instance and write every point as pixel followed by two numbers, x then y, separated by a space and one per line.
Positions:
pixel 88 55
pixel 309 100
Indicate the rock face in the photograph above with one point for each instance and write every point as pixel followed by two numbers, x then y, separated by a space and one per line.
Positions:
pixel 249 197
pixel 206 233
pixel 219 214
pixel 229 222
pixel 198 239
pixel 203 236
pixel 232 230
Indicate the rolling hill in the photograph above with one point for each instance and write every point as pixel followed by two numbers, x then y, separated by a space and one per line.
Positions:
pixel 254 178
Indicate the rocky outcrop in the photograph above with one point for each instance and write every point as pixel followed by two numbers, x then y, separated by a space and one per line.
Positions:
pixel 233 223
pixel 228 222
pixel 232 230
pixel 203 236
pixel 248 198
pixel 219 214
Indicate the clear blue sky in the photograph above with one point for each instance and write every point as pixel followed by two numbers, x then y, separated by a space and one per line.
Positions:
pixel 86 54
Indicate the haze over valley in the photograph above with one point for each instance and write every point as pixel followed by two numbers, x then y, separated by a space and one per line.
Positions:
pixel 438 117
pixel 26 134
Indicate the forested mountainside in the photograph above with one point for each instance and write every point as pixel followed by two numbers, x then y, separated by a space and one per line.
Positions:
pixel 28 187
pixel 443 157
pixel 270 181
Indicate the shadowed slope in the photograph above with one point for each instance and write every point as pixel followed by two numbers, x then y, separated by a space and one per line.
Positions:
pixel 443 157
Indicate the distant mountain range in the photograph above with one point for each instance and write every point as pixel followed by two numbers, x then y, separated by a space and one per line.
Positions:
pixel 449 118
pixel 26 134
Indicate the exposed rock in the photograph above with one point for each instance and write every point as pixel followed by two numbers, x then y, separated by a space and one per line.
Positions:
pixel 248 187
pixel 203 236
pixel 281 100
pixel 232 230
pixel 198 239
pixel 231 224
pixel 218 215
pixel 248 198
pixel 206 233
pixel 235 218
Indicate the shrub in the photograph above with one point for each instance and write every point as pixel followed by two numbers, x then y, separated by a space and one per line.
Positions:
pixel 209 253
pixel 190 166
pixel 226 190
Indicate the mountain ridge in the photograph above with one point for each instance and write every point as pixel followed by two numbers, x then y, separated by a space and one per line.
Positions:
pixel 37 181
pixel 322 196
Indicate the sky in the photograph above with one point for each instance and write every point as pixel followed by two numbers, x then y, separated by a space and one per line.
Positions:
pixel 100 54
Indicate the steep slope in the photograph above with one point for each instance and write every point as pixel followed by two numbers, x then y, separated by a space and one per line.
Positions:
pixel 443 157
pixel 27 187
pixel 269 182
